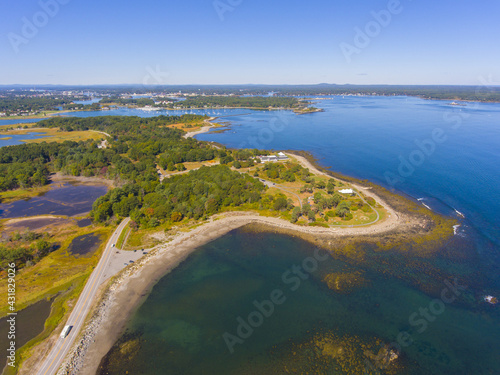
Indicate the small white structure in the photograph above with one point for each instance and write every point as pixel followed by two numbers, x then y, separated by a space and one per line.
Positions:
pixel 346 191
pixel 282 156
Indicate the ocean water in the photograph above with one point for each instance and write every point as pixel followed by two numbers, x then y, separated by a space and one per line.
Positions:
pixel 191 323
pixel 449 156
pixel 445 156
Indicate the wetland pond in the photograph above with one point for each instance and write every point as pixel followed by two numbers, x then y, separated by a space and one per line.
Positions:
pixel 66 199
pixel 84 245
pixel 30 323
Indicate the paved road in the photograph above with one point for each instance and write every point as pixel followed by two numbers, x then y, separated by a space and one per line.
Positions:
pixel 56 356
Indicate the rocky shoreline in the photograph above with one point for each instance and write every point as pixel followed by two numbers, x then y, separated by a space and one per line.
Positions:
pixel 131 286
pixel 126 291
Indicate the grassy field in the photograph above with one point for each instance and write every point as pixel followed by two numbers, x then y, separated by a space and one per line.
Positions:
pixel 190 165
pixel 14 195
pixel 123 236
pixel 55 135
pixel 359 216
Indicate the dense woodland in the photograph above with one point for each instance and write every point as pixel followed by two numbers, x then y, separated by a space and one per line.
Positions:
pixel 238 101
pixel 198 194
pixel 13 104
pixel 132 155
pixel 137 145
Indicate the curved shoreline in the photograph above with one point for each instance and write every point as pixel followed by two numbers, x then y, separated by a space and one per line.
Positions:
pixel 125 293
pixel 118 300
pixel 204 129
pixel 129 289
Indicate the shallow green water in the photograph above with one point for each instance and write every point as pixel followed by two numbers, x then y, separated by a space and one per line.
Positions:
pixel 313 329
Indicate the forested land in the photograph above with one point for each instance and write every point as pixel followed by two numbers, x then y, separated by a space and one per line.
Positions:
pixel 12 104
pixel 132 155
pixel 238 101
pixel 137 145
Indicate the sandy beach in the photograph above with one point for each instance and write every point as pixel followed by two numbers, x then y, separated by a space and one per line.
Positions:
pixel 204 129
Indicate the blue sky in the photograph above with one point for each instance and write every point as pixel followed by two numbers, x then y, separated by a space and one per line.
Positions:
pixel 250 41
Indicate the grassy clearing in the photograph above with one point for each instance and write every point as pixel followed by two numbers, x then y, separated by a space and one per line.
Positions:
pixel 141 238
pixel 55 135
pixel 190 166
pixel 14 195
pixel 359 217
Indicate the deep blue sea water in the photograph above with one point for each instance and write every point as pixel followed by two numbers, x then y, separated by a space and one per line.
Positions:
pixel 445 156
pixel 449 156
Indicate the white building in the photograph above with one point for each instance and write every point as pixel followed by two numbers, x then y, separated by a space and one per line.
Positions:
pixel 346 191
pixel 272 158
pixel 282 156
pixel 267 158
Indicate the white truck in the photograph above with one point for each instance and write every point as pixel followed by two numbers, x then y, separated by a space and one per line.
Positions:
pixel 65 331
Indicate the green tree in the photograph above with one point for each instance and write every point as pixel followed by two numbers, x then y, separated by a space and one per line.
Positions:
pixel 330 187
pixel 296 212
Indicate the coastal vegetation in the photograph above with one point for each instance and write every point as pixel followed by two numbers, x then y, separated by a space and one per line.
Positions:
pixel 141 147
pixel 46 265
pixel 24 248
